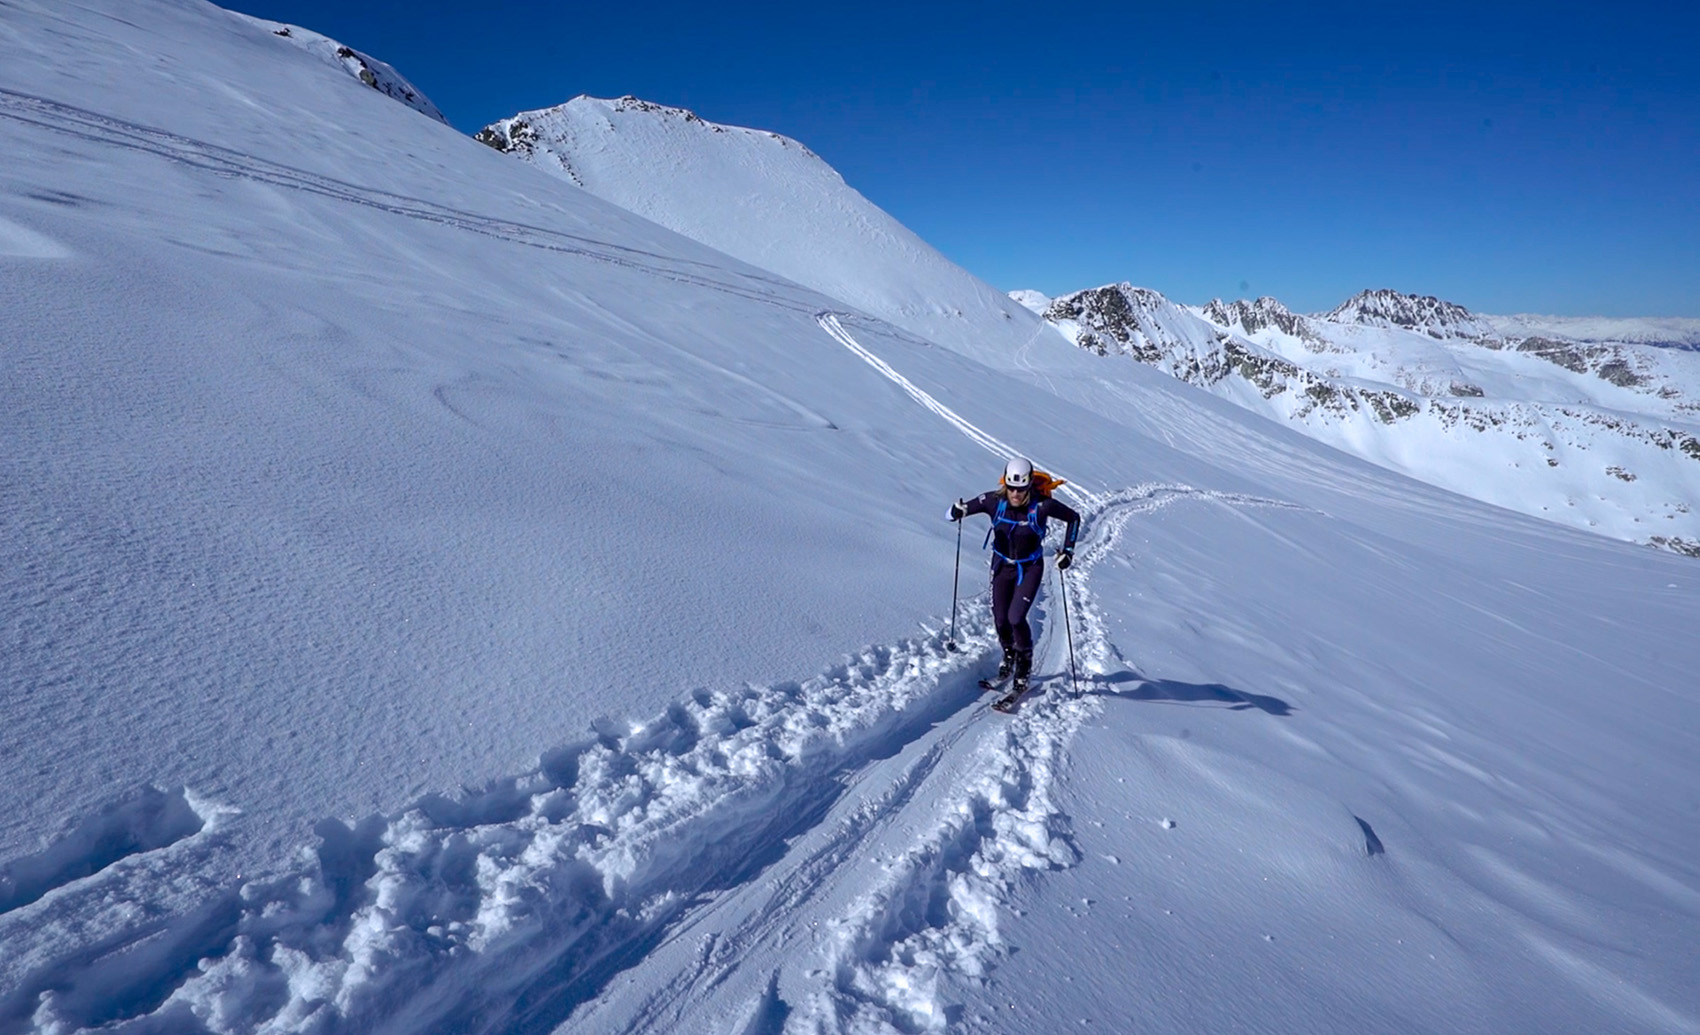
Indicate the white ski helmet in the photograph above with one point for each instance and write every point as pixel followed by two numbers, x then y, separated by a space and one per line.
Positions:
pixel 1018 473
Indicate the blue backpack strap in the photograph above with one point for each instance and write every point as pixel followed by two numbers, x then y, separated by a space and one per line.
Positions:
pixel 1033 519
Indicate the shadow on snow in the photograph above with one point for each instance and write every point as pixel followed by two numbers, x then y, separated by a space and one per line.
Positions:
pixel 1186 693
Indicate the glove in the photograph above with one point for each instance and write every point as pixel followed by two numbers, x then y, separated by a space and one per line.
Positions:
pixel 959 510
pixel 1065 557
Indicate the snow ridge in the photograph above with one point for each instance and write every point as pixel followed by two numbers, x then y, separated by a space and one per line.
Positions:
pixel 1265 312
pixel 767 200
pixel 374 73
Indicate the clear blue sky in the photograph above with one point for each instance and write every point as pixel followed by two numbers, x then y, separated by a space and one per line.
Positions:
pixel 1511 157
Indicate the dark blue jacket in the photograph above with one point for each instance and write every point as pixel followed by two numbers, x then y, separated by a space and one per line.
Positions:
pixel 1013 535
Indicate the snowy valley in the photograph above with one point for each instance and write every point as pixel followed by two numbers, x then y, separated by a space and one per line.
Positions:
pixel 450 593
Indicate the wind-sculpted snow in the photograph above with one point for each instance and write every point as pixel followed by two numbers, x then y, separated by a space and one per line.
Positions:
pixel 143 821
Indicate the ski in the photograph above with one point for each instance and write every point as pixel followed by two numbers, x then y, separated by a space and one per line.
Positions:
pixel 1007 702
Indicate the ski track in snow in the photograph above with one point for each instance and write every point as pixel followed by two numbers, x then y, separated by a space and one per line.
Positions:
pixel 830 323
pixel 142 821
pixel 510 906
pixel 935 920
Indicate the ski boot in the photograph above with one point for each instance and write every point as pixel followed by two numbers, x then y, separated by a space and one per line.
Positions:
pixel 1023 669
pixel 1007 665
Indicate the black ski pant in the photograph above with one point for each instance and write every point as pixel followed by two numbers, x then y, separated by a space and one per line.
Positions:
pixel 1013 588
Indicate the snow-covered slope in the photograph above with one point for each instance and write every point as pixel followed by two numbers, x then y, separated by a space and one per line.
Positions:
pixel 433 599
pixel 364 67
pixel 1603 436
pixel 771 202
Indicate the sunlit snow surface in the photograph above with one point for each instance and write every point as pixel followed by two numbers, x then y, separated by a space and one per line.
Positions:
pixel 772 202
pixel 436 600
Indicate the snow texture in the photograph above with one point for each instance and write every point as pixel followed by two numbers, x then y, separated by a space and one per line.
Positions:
pixel 435 598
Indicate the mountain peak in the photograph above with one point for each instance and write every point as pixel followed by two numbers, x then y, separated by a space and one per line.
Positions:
pixel 519 133
pixel 1133 320
pixel 1266 304
pixel 1032 301
pixel 630 103
pixel 1425 314
pixel 764 198
pixel 1251 317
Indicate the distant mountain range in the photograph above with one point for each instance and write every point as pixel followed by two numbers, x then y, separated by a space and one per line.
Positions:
pixel 1440 319
pixel 1523 411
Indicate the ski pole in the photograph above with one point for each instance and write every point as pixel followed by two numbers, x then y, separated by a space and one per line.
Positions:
pixel 1068 627
pixel 955 583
